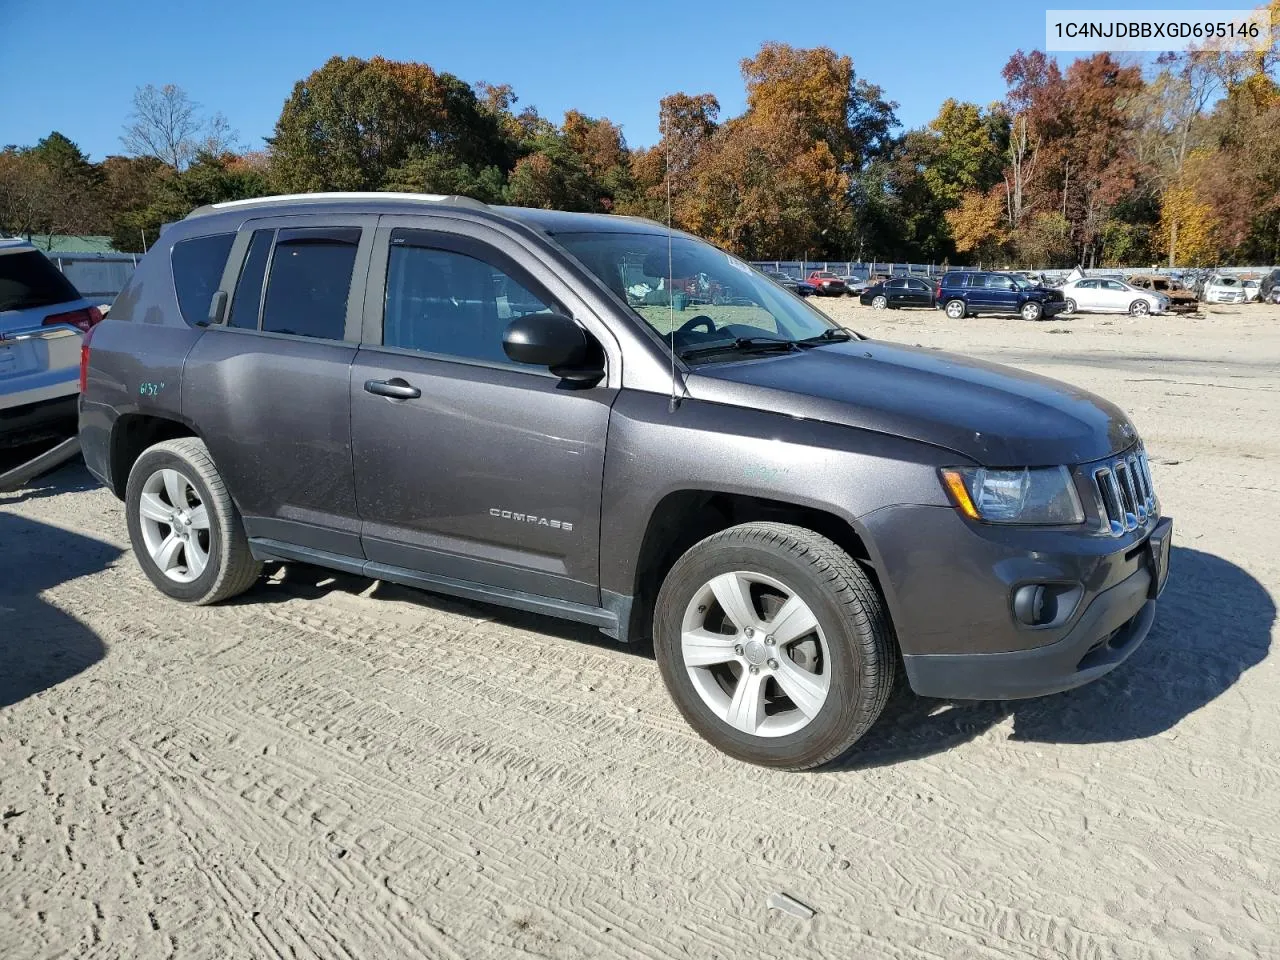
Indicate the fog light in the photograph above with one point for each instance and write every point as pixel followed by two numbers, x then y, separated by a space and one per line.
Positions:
pixel 1028 605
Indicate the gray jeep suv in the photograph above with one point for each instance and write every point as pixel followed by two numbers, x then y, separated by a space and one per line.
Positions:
pixel 511 406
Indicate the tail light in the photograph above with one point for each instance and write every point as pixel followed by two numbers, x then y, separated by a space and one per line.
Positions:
pixel 84 355
pixel 83 320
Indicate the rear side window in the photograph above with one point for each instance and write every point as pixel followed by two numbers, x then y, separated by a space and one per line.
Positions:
pixel 309 282
pixel 197 270
pixel 28 280
pixel 248 295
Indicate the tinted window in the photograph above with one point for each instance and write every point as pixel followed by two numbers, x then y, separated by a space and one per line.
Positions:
pixel 896 284
pixel 441 301
pixel 28 279
pixel 310 281
pixel 917 285
pixel 997 282
pixel 248 297
pixel 197 269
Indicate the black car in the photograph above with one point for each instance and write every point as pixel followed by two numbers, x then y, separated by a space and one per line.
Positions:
pixel 967 294
pixel 463 398
pixel 799 287
pixel 1270 283
pixel 898 292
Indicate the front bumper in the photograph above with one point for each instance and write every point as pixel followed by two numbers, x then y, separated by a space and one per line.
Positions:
pixel 950 585
pixel 1110 629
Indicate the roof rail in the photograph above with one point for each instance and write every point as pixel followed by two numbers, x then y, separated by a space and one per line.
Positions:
pixel 444 200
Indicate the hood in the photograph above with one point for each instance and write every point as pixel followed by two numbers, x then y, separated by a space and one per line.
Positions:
pixel 992 414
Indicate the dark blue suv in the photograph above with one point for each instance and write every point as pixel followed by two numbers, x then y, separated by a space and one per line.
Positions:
pixel 969 293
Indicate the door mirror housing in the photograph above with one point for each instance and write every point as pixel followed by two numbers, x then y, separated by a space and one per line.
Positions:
pixel 554 341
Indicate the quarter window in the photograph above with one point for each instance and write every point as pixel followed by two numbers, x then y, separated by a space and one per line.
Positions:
pixel 446 302
pixel 309 282
pixel 197 270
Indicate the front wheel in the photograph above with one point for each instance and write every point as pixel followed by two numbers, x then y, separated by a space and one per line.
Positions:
pixel 1070 307
pixel 185 530
pixel 955 309
pixel 879 303
pixel 1139 308
pixel 1031 311
pixel 774 645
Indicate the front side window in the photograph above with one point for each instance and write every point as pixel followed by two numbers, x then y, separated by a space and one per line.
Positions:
pixel 997 282
pixel 197 271
pixel 692 293
pixel 310 281
pixel 449 303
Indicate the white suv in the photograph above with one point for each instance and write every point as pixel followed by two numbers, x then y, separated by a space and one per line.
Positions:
pixel 43 320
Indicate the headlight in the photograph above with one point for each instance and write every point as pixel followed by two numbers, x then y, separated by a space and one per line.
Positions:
pixel 1041 495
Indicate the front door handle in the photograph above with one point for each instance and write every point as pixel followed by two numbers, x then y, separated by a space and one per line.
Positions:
pixel 395 388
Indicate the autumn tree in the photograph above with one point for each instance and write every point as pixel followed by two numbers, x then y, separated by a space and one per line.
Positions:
pixel 50 188
pixel 209 178
pixel 352 122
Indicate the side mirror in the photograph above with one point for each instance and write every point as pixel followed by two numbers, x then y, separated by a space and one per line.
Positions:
pixel 551 340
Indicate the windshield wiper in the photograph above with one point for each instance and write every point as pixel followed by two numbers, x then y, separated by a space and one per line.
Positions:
pixel 831 335
pixel 740 345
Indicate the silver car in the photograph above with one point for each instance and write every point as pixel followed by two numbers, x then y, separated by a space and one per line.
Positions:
pixel 1105 295
pixel 43 319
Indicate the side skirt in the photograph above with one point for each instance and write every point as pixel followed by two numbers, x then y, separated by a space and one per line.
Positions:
pixel 608 621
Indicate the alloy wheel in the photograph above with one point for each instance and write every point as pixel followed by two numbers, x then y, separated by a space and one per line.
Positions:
pixel 175 525
pixel 755 654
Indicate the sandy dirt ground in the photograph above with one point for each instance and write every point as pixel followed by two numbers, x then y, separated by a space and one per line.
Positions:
pixel 330 767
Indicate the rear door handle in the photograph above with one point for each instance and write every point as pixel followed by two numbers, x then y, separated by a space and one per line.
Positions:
pixel 395 388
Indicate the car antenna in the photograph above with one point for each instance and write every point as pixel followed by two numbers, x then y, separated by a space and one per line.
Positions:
pixel 671 303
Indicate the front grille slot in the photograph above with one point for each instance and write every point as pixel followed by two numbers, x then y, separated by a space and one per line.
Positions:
pixel 1125 496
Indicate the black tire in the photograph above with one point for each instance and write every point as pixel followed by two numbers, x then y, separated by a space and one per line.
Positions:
pixel 231 568
pixel 1070 308
pixel 955 309
pixel 848 609
pixel 1031 311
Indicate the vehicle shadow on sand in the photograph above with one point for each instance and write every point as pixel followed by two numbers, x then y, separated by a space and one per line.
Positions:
pixel 1213 623
pixel 70 477
pixel 40 645
pixel 285 581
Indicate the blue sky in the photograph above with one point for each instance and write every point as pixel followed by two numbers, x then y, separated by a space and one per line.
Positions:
pixel 73 65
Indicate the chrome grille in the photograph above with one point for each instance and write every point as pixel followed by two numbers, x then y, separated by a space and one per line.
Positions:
pixel 1125 496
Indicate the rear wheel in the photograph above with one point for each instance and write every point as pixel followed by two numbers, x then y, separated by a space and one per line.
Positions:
pixel 1031 311
pixel 185 530
pixel 880 302
pixel 774 645
pixel 955 309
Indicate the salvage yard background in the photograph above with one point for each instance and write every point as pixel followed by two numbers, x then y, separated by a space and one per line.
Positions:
pixel 331 767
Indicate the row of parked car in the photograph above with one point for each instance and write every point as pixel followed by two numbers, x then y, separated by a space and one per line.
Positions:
pixel 967 293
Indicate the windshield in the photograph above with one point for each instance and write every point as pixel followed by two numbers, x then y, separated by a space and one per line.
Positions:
pixel 714 298
pixel 1225 282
